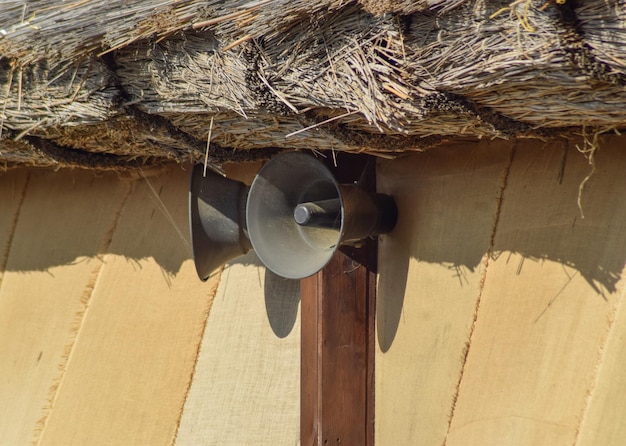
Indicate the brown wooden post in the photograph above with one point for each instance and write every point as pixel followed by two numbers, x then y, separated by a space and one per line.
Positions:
pixel 337 391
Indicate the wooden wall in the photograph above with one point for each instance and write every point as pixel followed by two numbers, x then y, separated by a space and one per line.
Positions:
pixel 499 317
pixel 108 336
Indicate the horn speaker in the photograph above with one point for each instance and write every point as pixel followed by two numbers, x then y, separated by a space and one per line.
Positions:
pixel 295 215
pixel 298 215
pixel 217 210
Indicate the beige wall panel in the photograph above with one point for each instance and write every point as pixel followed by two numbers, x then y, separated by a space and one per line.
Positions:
pixel 246 389
pixel 604 420
pixel 63 224
pixel 431 268
pixel 133 360
pixel 548 302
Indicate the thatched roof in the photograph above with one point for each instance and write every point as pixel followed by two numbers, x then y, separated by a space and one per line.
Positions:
pixel 111 84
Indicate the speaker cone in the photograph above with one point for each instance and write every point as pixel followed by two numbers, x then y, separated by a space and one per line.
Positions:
pixel 298 215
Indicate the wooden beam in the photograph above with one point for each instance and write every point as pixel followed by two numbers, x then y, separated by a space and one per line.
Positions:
pixel 337 374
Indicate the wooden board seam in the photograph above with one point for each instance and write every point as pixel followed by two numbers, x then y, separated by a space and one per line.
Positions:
pixel 79 318
pixel 207 312
pixel 5 255
pixel 465 353
pixel 602 352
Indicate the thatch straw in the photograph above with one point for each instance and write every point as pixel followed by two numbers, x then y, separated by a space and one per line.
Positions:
pixel 146 81
pixel 49 29
pixel 37 96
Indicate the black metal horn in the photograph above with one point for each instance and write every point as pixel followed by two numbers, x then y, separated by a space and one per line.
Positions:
pixel 217 220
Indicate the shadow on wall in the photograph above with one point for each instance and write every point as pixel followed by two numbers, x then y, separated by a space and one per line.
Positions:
pixel 61 218
pixel 450 214
pixel 66 217
pixel 282 301
pixel 447 199
pixel 282 296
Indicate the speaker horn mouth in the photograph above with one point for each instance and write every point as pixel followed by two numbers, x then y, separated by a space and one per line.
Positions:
pixel 298 215
pixel 294 187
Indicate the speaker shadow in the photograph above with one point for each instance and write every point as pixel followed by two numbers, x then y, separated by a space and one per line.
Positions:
pixel 459 205
pixel 282 296
pixel 392 280
pixel 282 300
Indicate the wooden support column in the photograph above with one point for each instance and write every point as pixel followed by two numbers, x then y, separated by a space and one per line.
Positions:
pixel 337 383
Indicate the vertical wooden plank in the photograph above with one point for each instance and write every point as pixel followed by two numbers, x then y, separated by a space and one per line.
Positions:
pixel 550 303
pixel 133 359
pixel 338 370
pixel 430 271
pixel 247 382
pixel 309 413
pixel 603 422
pixel 343 351
pixel 372 277
pixel 51 265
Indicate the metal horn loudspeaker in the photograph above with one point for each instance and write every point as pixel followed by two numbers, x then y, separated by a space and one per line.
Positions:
pixel 217 212
pixel 298 215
